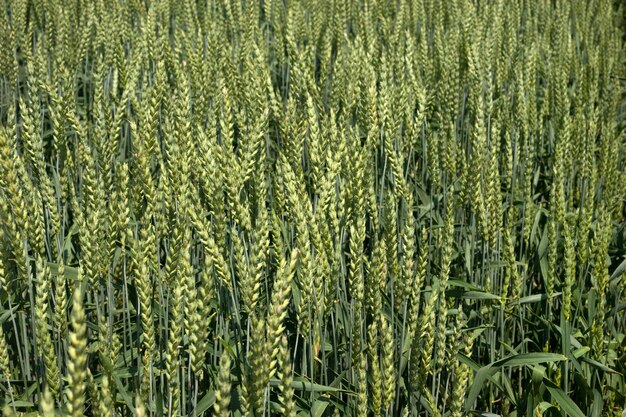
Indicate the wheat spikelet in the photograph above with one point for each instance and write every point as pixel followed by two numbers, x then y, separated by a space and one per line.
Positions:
pixel 288 406
pixel 222 394
pixel 387 363
pixel 77 364
pixel 44 341
pixel 5 362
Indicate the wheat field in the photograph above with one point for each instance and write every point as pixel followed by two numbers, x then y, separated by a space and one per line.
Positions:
pixel 312 208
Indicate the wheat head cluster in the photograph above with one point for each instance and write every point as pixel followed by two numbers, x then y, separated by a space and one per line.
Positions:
pixel 312 208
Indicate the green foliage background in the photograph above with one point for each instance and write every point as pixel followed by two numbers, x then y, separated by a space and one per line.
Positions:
pixel 313 207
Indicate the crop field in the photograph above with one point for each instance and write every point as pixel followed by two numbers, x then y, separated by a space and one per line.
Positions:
pixel 317 208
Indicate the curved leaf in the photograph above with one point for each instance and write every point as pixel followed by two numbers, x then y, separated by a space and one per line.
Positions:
pixel 486 372
pixel 565 402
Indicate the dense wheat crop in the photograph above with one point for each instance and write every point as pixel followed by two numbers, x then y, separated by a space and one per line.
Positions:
pixel 312 207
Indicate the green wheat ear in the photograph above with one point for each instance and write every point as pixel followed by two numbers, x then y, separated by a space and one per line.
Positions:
pixel 77 353
pixel 223 392
pixel 285 375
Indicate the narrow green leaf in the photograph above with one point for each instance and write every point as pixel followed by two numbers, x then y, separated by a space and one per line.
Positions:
pixel 318 408
pixel 204 404
pixel 565 402
pixel 479 295
pixel 517 360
